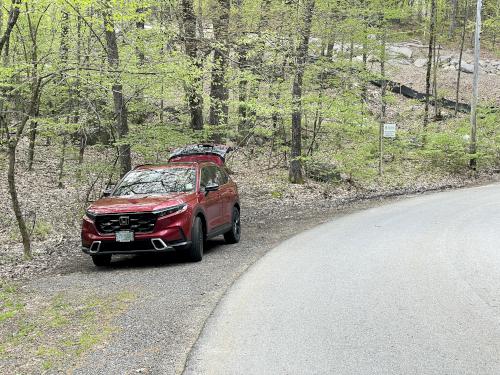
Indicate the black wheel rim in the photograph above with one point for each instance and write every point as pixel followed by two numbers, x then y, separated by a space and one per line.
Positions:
pixel 237 225
pixel 200 239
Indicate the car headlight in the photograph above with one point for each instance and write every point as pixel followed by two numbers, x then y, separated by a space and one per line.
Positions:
pixel 90 214
pixel 170 210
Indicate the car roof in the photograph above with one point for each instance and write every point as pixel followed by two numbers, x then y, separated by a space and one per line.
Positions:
pixel 181 164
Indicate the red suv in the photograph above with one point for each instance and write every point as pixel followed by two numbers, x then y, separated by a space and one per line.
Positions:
pixel 158 208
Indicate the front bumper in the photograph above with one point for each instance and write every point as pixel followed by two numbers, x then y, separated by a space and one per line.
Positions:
pixel 170 233
pixel 154 245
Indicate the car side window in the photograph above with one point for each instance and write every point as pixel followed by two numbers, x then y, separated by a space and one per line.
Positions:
pixel 208 176
pixel 222 177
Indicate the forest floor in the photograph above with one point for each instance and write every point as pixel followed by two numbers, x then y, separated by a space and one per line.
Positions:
pixel 58 313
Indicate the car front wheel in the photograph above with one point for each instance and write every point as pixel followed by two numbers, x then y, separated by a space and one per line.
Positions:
pixel 234 235
pixel 197 241
pixel 102 260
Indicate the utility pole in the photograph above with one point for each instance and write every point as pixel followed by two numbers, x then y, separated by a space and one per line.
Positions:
pixel 473 116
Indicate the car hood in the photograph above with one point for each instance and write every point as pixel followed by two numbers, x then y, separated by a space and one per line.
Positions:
pixel 138 203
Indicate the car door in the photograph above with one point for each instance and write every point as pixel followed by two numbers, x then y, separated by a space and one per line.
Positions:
pixel 211 200
pixel 225 196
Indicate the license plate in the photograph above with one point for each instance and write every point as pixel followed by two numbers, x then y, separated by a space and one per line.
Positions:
pixel 124 236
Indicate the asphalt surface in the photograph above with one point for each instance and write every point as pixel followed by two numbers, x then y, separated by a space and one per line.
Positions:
pixel 411 287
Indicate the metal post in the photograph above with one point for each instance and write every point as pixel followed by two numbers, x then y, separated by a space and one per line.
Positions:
pixel 473 116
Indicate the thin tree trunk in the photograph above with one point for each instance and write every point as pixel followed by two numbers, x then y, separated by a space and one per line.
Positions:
pixel 219 92
pixel 242 51
pixel 257 61
pixel 13 16
pixel 429 62
pixel 453 18
pixel 60 184
pixel 34 64
pixel 437 109
pixel 11 178
pixel 475 88
pixel 193 89
pixel 295 173
pixel 462 42
pixel 382 104
pixel 121 113
pixel 11 172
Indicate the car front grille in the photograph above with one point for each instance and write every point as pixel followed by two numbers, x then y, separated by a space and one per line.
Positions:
pixel 138 223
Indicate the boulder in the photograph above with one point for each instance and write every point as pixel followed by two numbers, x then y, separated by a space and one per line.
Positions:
pixel 401 51
pixel 467 68
pixel 419 63
pixel 445 59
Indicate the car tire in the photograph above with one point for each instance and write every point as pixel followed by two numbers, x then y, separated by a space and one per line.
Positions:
pixel 234 234
pixel 195 253
pixel 102 260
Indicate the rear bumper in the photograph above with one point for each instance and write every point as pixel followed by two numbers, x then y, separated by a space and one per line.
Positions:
pixel 154 245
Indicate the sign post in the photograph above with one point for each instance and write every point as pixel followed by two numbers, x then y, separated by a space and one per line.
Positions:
pixel 389 131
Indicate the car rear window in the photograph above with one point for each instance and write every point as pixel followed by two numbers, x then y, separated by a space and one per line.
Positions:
pixel 157 181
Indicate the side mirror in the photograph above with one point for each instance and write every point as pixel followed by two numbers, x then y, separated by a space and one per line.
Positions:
pixel 108 191
pixel 211 187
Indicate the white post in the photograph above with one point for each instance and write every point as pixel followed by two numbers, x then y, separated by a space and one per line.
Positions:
pixel 473 112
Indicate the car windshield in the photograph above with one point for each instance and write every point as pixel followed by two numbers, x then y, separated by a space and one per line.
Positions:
pixel 157 181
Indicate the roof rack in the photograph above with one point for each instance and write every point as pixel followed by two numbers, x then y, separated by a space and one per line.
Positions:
pixel 143 165
pixel 201 149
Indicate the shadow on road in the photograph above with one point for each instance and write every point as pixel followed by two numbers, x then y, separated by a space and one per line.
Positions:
pixel 151 260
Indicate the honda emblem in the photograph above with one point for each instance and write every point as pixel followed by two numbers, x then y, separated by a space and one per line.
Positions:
pixel 124 221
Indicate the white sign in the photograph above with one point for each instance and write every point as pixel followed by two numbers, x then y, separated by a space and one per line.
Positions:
pixel 389 130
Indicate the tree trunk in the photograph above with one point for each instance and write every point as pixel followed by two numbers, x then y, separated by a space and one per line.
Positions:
pixel 432 25
pixel 295 173
pixel 193 89
pixel 60 184
pixel 32 140
pixel 16 206
pixel 242 51
pixel 219 92
pixel 257 60
pixel 13 16
pixel 11 172
pixel 462 42
pixel 453 18
pixel 121 113
pixel 437 110
pixel 382 104
pixel 475 88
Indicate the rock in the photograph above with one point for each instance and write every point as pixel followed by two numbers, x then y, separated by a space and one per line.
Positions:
pixel 454 61
pixel 419 63
pixel 467 68
pixel 445 59
pixel 401 51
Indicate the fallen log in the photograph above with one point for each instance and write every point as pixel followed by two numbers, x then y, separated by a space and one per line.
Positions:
pixel 408 92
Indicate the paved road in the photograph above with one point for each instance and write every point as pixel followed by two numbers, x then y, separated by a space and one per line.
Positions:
pixel 412 287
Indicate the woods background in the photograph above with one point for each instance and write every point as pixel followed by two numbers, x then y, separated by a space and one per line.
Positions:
pixel 301 88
